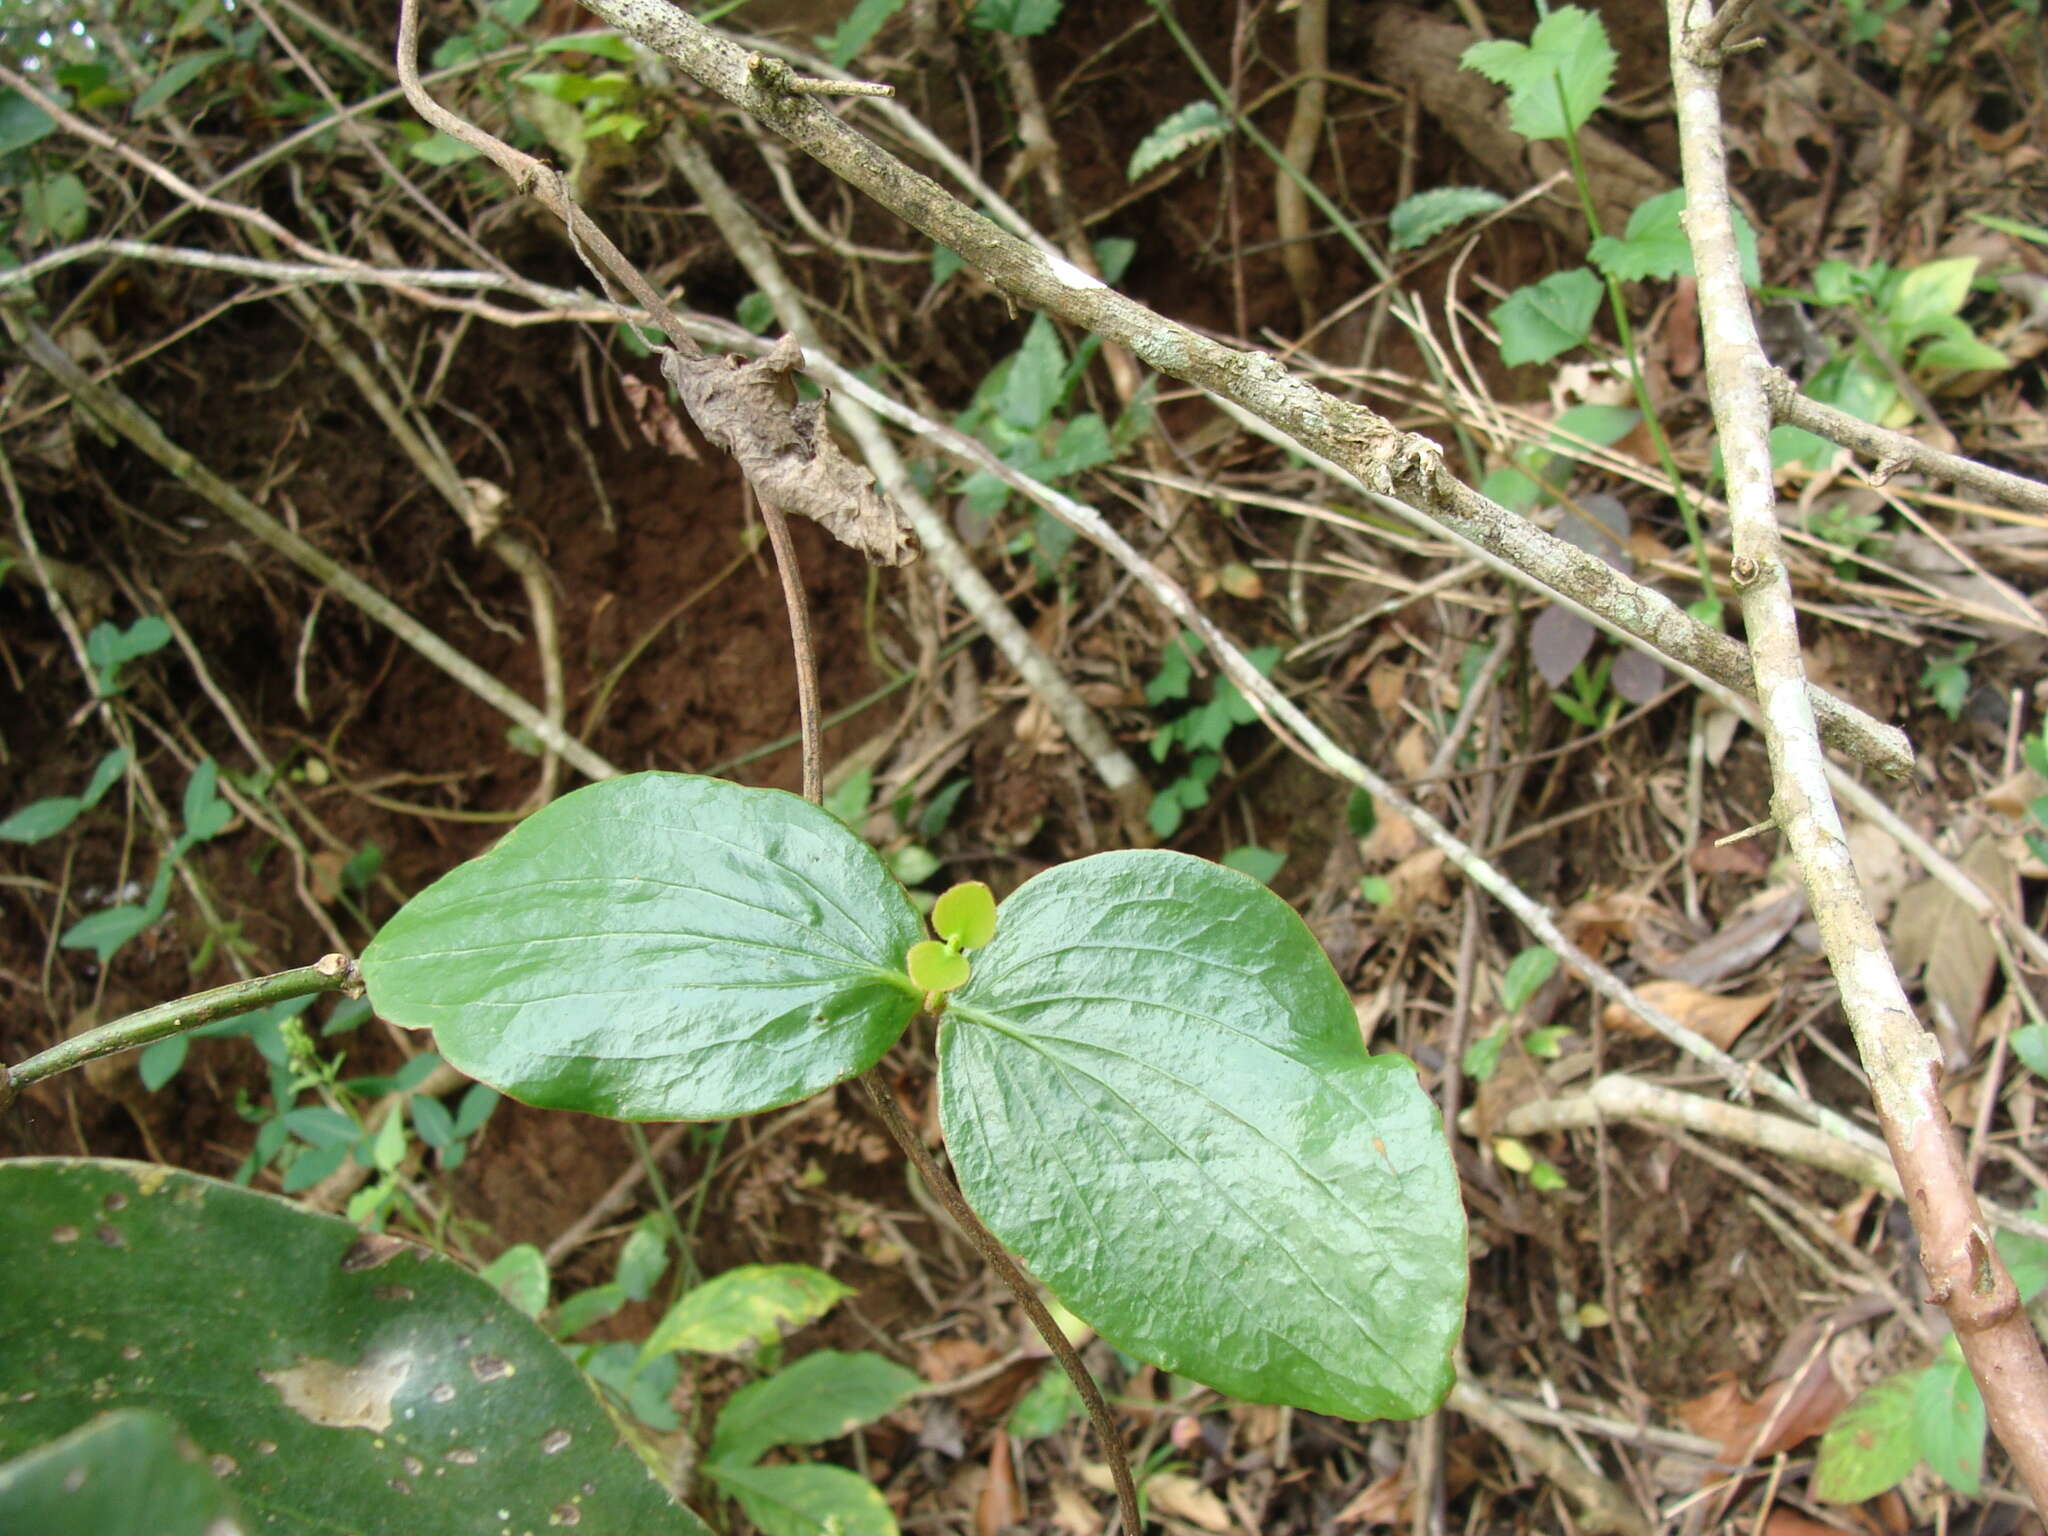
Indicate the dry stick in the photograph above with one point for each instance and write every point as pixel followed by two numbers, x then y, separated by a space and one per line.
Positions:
pixel 1388 460
pixel 942 547
pixel 1903 1062
pixel 1894 451
pixel 885 1103
pixel 1601 1507
pixel 124 416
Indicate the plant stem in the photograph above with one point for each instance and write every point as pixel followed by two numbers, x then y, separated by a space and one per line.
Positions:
pixel 686 1267
pixel 1020 1285
pixel 332 973
pixel 885 1103
pixel 1626 332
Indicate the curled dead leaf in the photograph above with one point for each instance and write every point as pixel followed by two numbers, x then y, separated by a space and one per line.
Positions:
pixel 1786 1412
pixel 751 409
pixel 1720 1019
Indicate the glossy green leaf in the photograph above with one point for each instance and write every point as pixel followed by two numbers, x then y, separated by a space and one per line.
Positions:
pixel 337 1382
pixel 1871 1444
pixel 807 1500
pixel 745 1307
pixel 1223 1181
pixel 1541 320
pixel 127 1473
pixel 937 969
pixel 1418 220
pixel 821 1397
pixel 658 946
pixel 966 915
pixel 1948 1423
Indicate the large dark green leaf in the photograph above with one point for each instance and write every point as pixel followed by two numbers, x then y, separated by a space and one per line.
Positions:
pixel 127 1473
pixel 1154 1091
pixel 658 947
pixel 334 1382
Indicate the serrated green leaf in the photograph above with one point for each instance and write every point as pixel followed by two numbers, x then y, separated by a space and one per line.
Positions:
pixel 1948 1424
pixel 1558 79
pixel 744 1307
pixel 808 1500
pixel 1031 388
pixel 132 1472
pixel 658 946
pixel 1165 1043
pixel 1655 244
pixel 336 1373
pixel 1541 320
pixel 1418 220
pixel 1194 125
pixel 821 1397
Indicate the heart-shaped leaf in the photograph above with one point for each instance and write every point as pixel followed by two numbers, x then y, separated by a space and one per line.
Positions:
pixel 658 947
pixel 332 1381
pixel 936 968
pixel 966 915
pixel 1221 1180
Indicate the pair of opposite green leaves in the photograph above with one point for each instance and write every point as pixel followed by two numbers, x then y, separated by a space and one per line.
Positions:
pixel 1151 1084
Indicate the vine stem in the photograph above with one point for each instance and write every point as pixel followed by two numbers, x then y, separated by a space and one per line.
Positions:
pixel 331 973
pixel 899 1127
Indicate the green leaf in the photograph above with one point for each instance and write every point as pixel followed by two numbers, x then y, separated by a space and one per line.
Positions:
pixel 587 1307
pixel 324 1369
pixel 520 1275
pixel 756 312
pixel 160 1061
pixel 132 1472
pixel 1482 1057
pixel 1961 354
pixel 912 864
pixel 1931 291
pixel 1164 1043
pixel 1948 1422
pixel 743 1307
pixel 1655 246
pixel 658 947
pixel 1418 220
pixel 109 647
pixel 1019 18
pixel 1557 80
pixel 1113 255
pixel 965 916
pixel 40 819
pixel 1262 864
pixel 2027 1257
pixel 22 122
pixel 1194 125
pixel 808 1500
pixel 176 78
pixel 1031 387
pixel 934 968
pixel 2030 1044
pixel 105 932
pixel 1047 1407
pixel 1538 322
pixel 1526 972
pixel 938 812
pixel 603 45
pixel 442 149
pixel 858 30
pixel 644 1258
pixel 821 1397
pixel 475 1109
pixel 1360 815
pixel 56 206
pixel 1871 1444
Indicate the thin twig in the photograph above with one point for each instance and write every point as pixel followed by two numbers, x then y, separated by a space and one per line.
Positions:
pixel 1902 1060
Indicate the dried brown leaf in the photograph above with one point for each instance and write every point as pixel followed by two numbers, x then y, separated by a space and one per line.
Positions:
pixel 1933 927
pixel 1377 1503
pixel 1721 1019
pixel 750 409
pixel 1788 1411
pixel 997 1506
pixel 1757 928
pixel 658 423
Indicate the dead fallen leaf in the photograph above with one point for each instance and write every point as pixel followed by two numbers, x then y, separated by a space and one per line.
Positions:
pixel 656 420
pixel 1384 685
pixel 1392 839
pixel 750 409
pixel 1745 856
pixel 1182 1498
pixel 1418 881
pixel 1073 1512
pixel 1882 868
pixel 1378 1503
pixel 1932 927
pixel 1721 1019
pixel 1790 1410
pixel 1752 932
pixel 997 1508
pixel 1783 1520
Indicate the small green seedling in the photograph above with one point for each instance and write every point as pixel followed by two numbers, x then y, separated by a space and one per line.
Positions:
pixel 964 918
pixel 1947 679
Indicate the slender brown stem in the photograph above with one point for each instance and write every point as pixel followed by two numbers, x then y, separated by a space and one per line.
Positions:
pixel 885 1103
pixel 1020 1285
pixel 806 654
